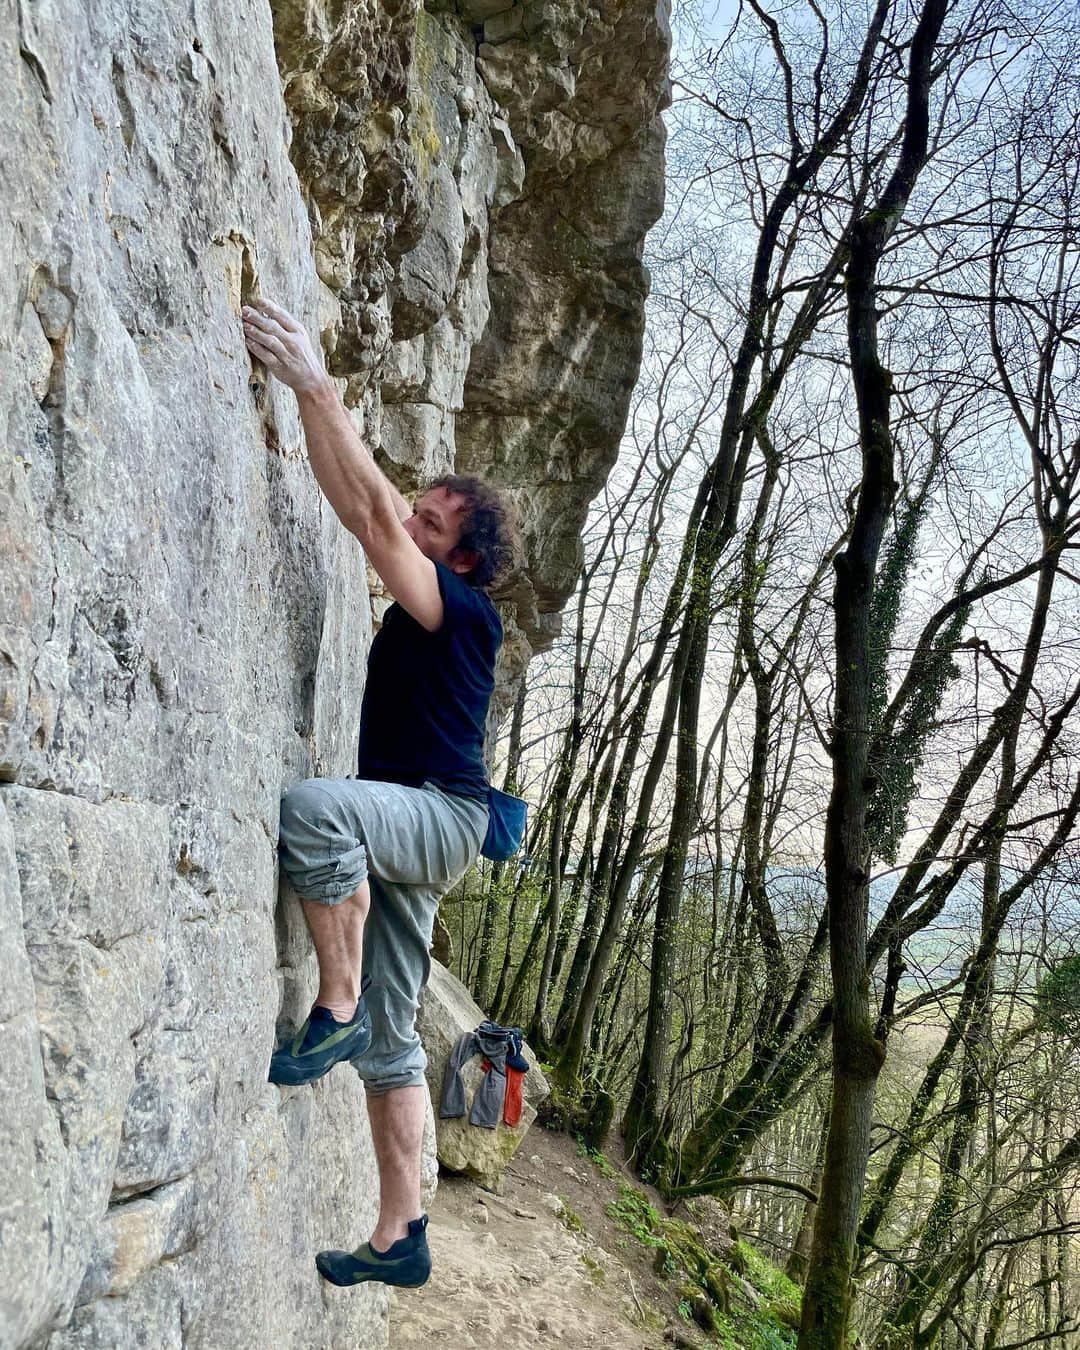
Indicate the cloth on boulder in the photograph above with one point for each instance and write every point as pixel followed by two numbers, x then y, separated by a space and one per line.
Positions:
pixel 500 1046
pixel 515 1091
pixel 447 1011
pixel 517 1066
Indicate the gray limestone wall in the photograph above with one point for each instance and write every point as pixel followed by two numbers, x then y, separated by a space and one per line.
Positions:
pixel 454 198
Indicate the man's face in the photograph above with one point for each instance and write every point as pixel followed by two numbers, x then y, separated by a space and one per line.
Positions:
pixel 435 528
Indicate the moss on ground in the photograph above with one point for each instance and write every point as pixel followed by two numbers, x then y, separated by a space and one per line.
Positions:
pixel 707 1289
pixel 593 1269
pixel 570 1219
pixel 598 1159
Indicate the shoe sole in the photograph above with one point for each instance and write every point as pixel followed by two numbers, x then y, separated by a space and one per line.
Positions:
pixel 296 1075
pixel 292 1078
pixel 371 1279
pixel 374 1277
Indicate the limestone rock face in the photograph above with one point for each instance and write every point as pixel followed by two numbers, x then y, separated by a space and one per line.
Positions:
pixel 183 622
pixel 448 1011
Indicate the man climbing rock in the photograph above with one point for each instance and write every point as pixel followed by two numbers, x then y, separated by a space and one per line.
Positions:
pixel 370 856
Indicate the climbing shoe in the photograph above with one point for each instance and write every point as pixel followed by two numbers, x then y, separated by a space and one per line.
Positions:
pixel 406 1262
pixel 320 1043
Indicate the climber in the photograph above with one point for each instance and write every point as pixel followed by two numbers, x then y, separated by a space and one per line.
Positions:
pixel 370 856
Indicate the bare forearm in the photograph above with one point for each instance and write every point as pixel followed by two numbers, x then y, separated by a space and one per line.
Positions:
pixel 365 500
pixel 355 486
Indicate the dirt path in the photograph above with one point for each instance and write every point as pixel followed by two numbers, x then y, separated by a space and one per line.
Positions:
pixel 542 1264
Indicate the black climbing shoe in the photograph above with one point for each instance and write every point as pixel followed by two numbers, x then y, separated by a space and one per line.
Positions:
pixel 320 1043
pixel 406 1262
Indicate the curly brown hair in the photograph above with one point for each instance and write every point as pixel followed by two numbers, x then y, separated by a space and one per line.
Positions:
pixel 490 529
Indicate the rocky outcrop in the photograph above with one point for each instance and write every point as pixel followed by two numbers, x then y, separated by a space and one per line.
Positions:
pixel 480 178
pixel 550 379
pixel 184 624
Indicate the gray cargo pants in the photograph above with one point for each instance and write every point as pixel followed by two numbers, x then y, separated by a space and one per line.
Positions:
pixel 411 844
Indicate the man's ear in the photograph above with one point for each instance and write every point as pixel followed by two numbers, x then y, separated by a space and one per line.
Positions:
pixel 463 560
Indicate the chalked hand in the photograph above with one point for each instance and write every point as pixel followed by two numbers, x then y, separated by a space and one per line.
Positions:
pixel 282 344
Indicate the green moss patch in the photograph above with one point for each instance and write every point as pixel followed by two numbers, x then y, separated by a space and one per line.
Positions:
pixel 743 1302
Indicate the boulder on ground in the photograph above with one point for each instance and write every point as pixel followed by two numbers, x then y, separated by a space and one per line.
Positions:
pixel 448 1011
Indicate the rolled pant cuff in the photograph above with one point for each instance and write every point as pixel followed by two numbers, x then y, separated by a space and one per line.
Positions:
pixel 330 893
pixel 329 880
pixel 379 1086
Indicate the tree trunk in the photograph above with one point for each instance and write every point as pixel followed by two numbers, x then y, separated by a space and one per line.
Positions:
pixel 857 1054
pixel 642 1123
pixel 798 1262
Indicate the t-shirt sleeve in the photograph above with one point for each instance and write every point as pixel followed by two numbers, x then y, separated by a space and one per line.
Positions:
pixel 463 606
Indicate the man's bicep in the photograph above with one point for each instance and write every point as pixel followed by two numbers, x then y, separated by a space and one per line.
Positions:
pixel 407 574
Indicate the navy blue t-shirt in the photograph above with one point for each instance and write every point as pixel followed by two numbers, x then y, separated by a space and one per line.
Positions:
pixel 427 694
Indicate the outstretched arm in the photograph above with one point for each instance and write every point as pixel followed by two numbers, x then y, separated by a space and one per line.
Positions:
pixel 365 500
